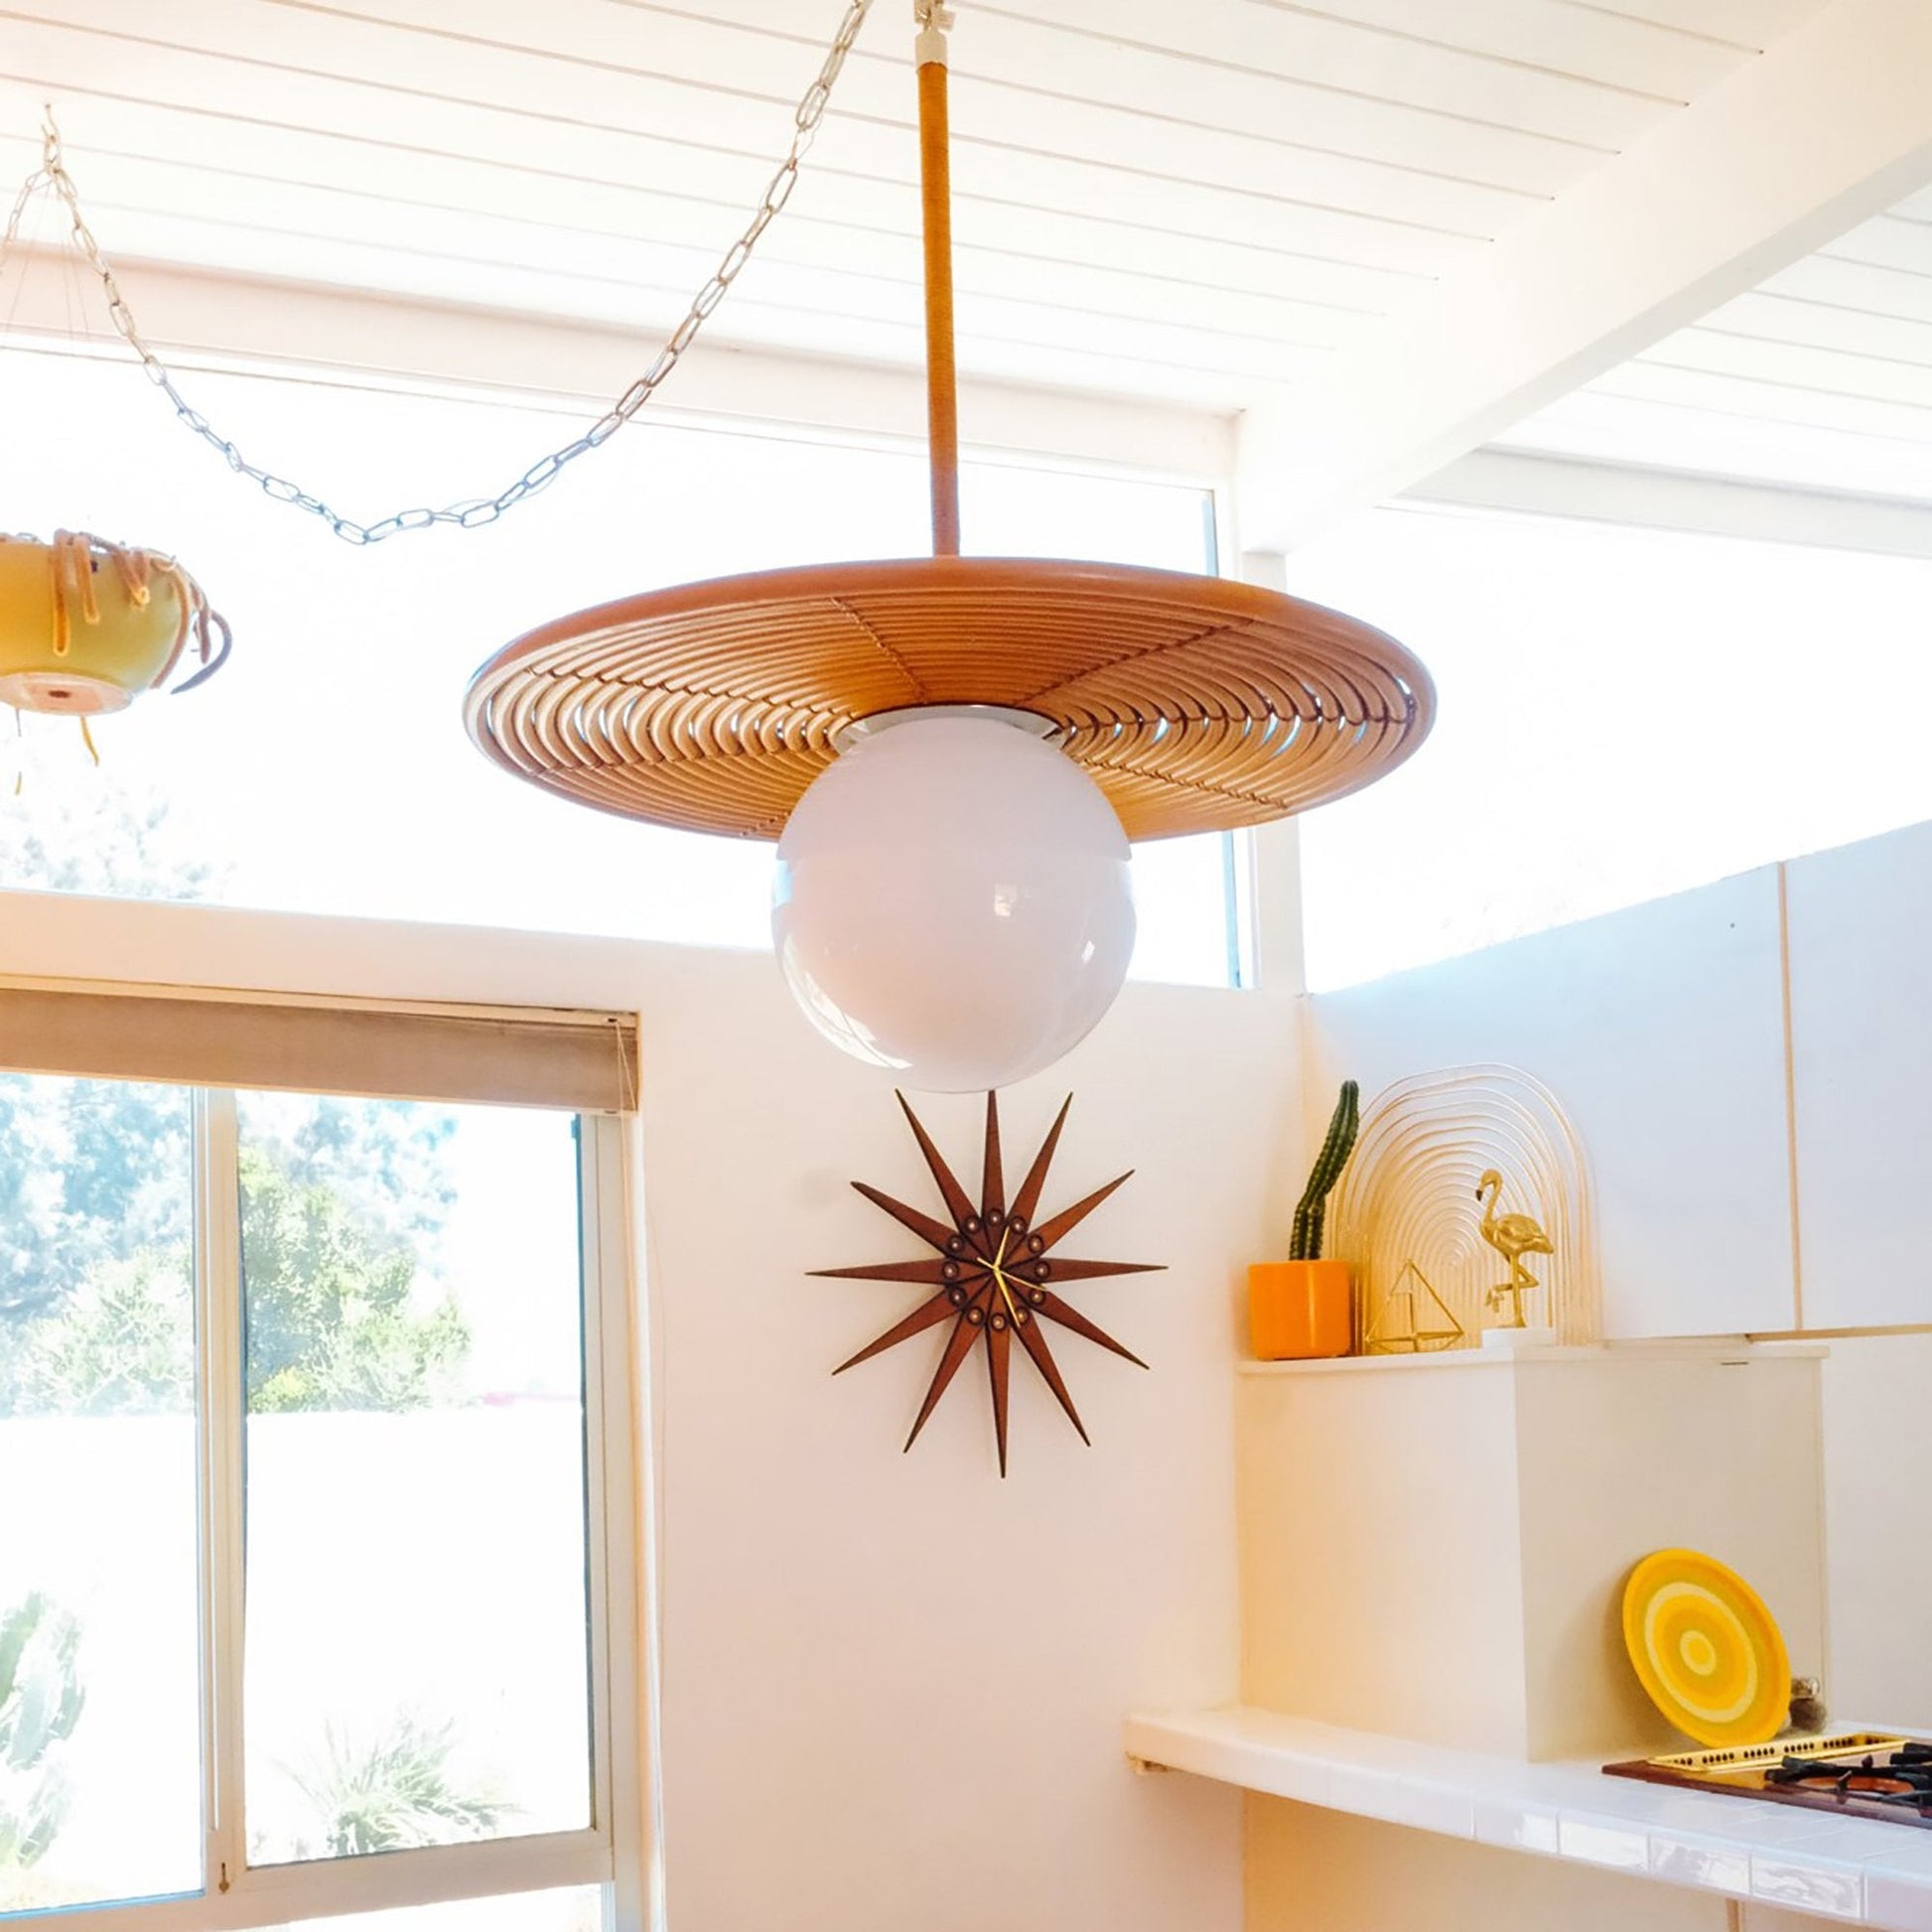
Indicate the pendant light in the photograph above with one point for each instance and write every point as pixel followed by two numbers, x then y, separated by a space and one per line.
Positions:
pixel 952 753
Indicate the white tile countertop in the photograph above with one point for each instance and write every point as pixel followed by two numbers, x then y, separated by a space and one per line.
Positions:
pixel 1804 1861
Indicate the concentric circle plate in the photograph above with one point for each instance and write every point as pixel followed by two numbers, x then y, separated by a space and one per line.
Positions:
pixel 1195 703
pixel 1707 1651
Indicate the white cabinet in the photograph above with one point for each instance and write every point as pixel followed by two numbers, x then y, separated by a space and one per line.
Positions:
pixel 1435 1547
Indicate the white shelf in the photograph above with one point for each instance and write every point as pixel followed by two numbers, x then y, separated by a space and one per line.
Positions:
pixel 1724 1347
pixel 1865 1873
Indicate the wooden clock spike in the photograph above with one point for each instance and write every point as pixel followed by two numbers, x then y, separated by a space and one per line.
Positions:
pixel 993 1186
pixel 986 1279
pixel 1062 1225
pixel 966 1332
pixel 933 1273
pixel 927 1315
pixel 1090 1271
pixel 1054 1309
pixel 957 1204
pixel 935 1235
pixel 1033 1339
pixel 999 1354
pixel 1027 1198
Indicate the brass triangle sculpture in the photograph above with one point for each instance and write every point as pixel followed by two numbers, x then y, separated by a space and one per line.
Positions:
pixel 1415 1296
pixel 994 1273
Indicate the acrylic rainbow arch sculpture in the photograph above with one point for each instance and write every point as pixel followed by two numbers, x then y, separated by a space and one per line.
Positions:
pixel 1408 1203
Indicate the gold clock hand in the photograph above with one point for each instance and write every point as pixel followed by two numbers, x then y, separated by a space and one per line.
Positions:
pixel 999 1277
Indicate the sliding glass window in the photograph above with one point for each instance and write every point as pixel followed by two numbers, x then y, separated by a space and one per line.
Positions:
pixel 311 1535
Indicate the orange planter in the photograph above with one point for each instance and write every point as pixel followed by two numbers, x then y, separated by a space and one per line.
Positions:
pixel 1299 1310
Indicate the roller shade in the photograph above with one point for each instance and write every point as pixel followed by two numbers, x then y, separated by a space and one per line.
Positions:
pixel 586 1062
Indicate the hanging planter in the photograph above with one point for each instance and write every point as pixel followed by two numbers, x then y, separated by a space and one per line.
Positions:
pixel 87 625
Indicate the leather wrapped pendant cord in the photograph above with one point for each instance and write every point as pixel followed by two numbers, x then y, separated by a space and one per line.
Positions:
pixel 935 201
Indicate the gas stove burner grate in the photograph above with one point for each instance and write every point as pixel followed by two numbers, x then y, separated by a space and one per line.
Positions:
pixel 1866 1774
pixel 1904 1777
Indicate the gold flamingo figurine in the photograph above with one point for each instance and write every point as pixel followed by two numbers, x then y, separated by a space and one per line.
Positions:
pixel 1512 1237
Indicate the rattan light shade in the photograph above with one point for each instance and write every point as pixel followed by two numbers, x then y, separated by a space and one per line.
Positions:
pixel 1195 703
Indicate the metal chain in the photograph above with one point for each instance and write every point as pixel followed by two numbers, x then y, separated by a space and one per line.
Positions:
pixel 810 111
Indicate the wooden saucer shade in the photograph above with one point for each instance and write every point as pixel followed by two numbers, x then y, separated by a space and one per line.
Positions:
pixel 1195 703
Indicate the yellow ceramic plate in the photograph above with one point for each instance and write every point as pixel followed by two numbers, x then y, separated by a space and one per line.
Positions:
pixel 1708 1652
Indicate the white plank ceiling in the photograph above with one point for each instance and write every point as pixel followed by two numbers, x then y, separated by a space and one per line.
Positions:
pixel 1170 198
pixel 1820 378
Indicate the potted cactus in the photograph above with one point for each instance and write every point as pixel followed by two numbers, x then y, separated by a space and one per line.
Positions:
pixel 1298 1309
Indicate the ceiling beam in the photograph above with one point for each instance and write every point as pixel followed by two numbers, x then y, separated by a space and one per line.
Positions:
pixel 1530 484
pixel 1832 124
pixel 205 318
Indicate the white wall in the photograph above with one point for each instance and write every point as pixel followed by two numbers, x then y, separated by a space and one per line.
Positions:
pixel 1660 1029
pixel 1860 937
pixel 1325 1872
pixel 894 1683
pixel 1879 1523
pixel 1663 1030
pixel 1315 1870
pixel 891 1685
pixel 1861 934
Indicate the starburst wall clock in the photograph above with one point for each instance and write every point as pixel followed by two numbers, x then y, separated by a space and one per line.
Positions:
pixel 995 1273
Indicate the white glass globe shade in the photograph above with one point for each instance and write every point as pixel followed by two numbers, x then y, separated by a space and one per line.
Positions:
pixel 953 899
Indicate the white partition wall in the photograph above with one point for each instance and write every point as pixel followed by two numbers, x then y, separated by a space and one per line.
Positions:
pixel 1703 1101
pixel 1861 1072
pixel 1661 1031
pixel 1879 1547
